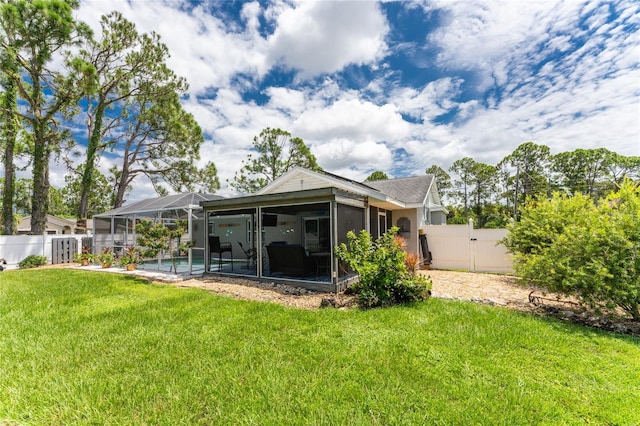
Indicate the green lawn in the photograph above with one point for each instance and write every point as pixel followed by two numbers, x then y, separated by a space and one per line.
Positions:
pixel 94 348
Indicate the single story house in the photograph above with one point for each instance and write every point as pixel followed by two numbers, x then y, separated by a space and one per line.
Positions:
pixel 55 225
pixel 287 230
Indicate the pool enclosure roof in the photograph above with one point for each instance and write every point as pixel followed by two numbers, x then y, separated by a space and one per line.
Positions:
pixel 189 200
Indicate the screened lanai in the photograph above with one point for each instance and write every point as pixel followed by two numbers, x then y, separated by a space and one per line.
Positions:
pixel 116 229
pixel 284 236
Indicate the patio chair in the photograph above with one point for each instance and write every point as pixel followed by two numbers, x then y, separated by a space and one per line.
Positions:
pixel 251 255
pixel 215 246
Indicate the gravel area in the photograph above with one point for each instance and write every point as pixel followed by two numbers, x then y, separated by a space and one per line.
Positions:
pixel 483 288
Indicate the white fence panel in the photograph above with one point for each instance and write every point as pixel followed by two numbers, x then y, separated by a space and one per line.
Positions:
pixel 463 248
pixel 449 246
pixel 488 255
pixel 14 248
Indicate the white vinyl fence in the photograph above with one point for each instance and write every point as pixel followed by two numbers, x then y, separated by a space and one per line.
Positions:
pixel 464 248
pixel 459 247
pixel 14 248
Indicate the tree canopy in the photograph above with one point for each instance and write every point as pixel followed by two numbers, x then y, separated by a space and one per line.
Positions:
pixel 377 175
pixel 276 152
pixel 31 35
pixel 531 172
pixel 54 74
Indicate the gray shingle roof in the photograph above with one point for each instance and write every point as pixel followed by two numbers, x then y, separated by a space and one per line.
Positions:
pixel 409 190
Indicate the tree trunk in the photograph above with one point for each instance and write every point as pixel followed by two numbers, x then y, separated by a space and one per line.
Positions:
pixel 40 198
pixel 122 185
pixel 90 164
pixel 8 193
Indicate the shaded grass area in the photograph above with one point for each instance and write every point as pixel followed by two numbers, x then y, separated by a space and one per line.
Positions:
pixel 95 348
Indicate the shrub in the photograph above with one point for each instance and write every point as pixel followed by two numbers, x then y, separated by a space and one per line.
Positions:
pixel 131 256
pixel 85 255
pixel 106 257
pixel 571 246
pixel 384 278
pixel 32 261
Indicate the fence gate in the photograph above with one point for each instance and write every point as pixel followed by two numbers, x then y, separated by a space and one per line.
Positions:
pixel 63 250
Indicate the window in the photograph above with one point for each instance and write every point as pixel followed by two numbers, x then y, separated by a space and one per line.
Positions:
pixel 382 222
pixel 316 234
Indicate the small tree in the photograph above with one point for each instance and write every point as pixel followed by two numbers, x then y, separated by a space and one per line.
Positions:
pixel 571 246
pixel 157 238
pixel 384 278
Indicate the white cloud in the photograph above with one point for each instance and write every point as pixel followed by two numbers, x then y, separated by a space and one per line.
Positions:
pixel 290 100
pixel 353 119
pixel 353 158
pixel 325 36
pixel 430 102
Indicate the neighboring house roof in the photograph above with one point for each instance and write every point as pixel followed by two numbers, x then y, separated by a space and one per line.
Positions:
pixel 169 202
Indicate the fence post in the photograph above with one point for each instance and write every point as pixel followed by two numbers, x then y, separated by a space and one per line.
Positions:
pixel 472 251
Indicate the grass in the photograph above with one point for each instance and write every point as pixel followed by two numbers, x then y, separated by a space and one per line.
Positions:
pixel 82 347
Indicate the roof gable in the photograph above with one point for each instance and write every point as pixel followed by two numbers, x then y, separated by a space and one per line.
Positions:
pixel 300 179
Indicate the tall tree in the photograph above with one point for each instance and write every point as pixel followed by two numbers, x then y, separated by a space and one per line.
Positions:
pixel 37 31
pixel 187 177
pixel 209 182
pixel 478 183
pixel 583 170
pixel 126 64
pixel 57 205
pixel 621 168
pixel 160 141
pixel 464 169
pixel 9 113
pixel 100 198
pixel 484 178
pixel 526 172
pixel 22 195
pixel 377 175
pixel 277 153
pixel 443 180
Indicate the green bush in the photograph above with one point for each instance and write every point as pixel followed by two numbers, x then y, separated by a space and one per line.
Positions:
pixel 571 246
pixel 32 261
pixel 384 278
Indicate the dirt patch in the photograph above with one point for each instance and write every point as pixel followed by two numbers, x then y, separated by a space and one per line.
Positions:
pixel 239 288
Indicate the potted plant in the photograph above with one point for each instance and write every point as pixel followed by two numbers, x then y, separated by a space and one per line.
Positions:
pixel 85 257
pixel 106 257
pixel 130 258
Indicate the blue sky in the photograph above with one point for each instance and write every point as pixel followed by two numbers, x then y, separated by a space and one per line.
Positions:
pixel 399 86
